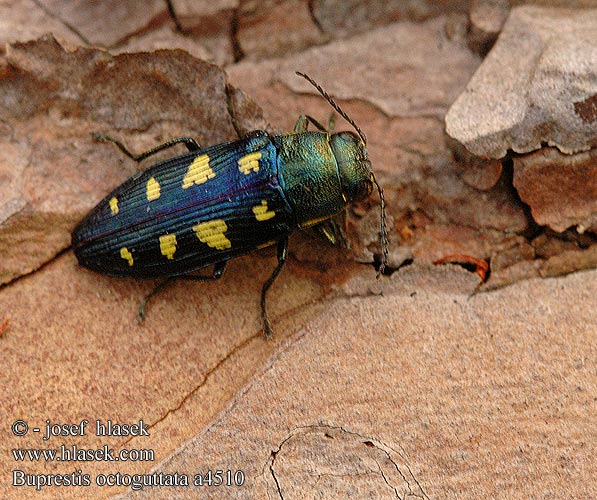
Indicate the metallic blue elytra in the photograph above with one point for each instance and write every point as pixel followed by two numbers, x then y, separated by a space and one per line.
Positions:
pixel 213 204
pixel 222 193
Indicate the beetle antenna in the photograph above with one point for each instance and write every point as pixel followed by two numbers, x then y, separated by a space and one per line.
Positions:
pixel 383 232
pixel 383 227
pixel 333 104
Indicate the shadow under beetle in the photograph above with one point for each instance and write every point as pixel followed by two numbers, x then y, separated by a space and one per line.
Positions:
pixel 212 204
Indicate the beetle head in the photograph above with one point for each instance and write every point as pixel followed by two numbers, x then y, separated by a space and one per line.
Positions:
pixel 354 166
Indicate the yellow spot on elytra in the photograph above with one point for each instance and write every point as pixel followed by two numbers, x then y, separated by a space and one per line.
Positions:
pixel 153 189
pixel 199 172
pixel 126 255
pixel 249 163
pixel 212 234
pixel 168 245
pixel 114 205
pixel 262 213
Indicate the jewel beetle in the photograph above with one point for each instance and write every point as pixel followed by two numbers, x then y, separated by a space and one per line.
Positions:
pixel 212 204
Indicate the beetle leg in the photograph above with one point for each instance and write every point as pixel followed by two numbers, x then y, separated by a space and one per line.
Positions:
pixel 317 125
pixel 303 121
pixel 190 143
pixel 301 125
pixel 334 230
pixel 219 269
pixel 216 274
pixel 143 304
pixel 331 123
pixel 174 16
pixel 282 255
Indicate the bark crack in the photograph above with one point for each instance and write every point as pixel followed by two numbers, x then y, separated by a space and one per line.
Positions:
pixel 414 486
pixel 203 381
